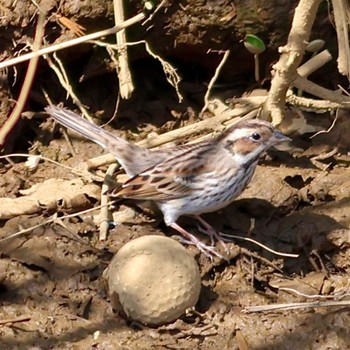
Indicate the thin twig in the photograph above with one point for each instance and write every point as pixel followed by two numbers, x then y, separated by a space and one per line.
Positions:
pixel 317 106
pixel 86 175
pixel 64 81
pixel 150 17
pixel 314 63
pixel 14 320
pixel 261 258
pixel 126 86
pixel 330 128
pixel 171 75
pixel 105 214
pixel 294 306
pixel 307 104
pixel 319 91
pixel 341 19
pixel 73 42
pixel 289 255
pixel 52 220
pixel 213 80
pixel 324 156
pixel 170 72
pixel 312 296
pixel 28 80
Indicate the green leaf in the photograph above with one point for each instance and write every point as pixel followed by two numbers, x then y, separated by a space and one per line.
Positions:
pixel 254 44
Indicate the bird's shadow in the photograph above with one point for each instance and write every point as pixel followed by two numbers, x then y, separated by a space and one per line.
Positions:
pixel 290 231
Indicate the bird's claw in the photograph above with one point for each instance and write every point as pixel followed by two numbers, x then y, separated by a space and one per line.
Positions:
pixel 211 232
pixel 209 251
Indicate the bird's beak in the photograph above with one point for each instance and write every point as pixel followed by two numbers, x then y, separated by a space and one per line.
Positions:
pixel 278 137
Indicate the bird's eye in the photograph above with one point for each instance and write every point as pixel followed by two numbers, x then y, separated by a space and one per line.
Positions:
pixel 256 137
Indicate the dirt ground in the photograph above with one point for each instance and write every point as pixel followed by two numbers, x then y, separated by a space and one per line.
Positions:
pixel 52 292
pixel 53 296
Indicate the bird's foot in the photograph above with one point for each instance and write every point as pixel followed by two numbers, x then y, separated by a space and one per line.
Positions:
pixel 212 233
pixel 209 251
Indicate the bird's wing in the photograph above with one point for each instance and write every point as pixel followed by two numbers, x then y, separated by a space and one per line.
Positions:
pixel 176 177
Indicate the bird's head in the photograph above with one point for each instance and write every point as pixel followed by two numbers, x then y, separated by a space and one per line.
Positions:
pixel 248 139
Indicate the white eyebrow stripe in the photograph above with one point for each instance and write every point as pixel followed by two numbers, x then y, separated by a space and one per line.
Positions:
pixel 240 133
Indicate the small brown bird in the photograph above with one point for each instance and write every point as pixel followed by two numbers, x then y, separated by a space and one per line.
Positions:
pixel 185 180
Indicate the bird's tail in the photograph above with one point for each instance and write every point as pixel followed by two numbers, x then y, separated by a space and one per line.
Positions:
pixel 75 122
pixel 125 152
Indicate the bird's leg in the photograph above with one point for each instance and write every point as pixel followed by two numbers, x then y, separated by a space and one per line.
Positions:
pixel 208 251
pixel 211 232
